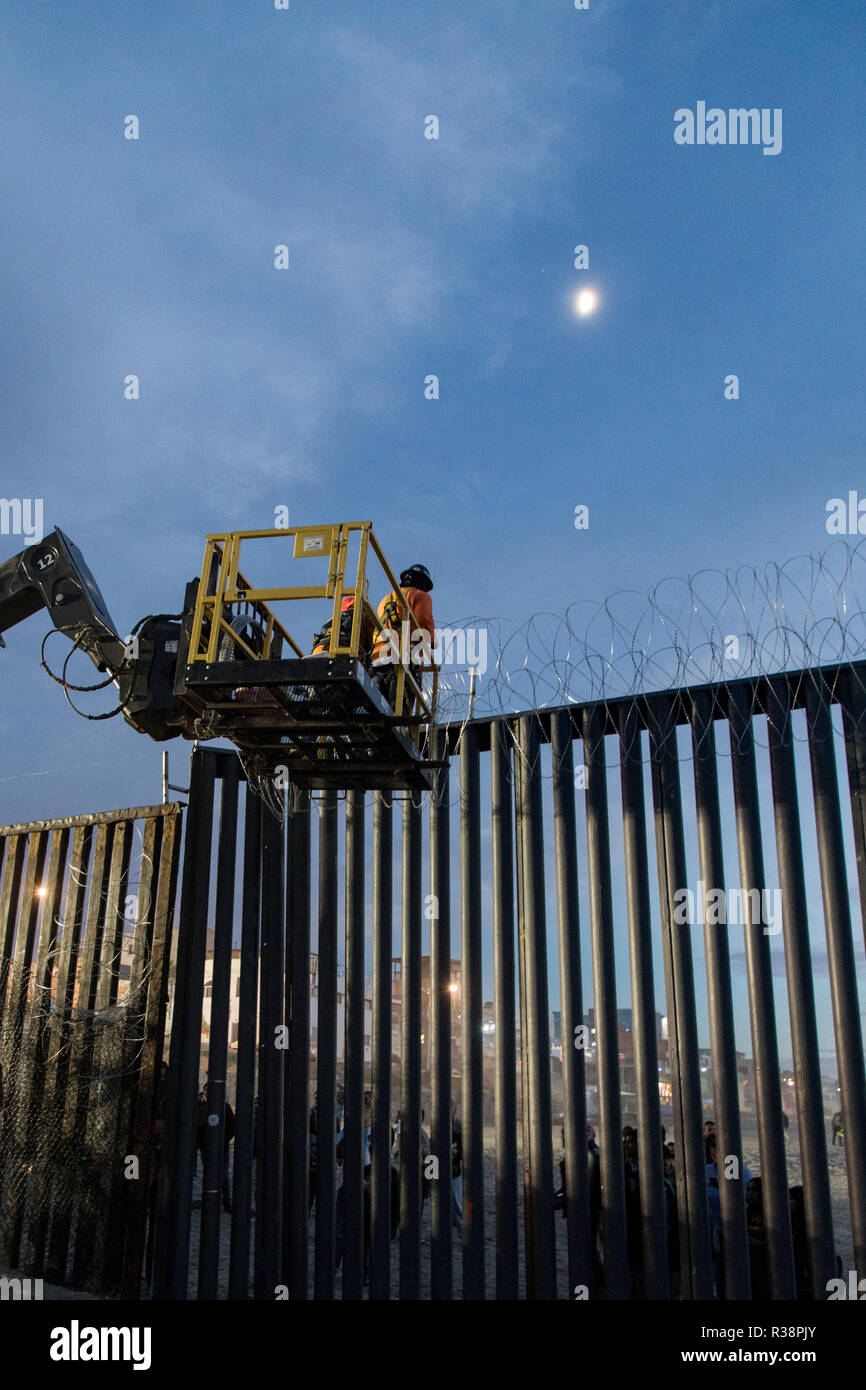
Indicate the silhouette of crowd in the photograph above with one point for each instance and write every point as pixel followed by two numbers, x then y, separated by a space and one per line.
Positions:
pixel 758 1252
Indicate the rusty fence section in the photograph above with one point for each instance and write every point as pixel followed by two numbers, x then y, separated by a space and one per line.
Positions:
pixel 86 908
pixel 464 960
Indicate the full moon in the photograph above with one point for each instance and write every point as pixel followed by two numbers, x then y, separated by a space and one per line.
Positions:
pixel 585 302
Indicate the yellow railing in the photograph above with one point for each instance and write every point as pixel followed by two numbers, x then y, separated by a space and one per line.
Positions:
pixel 223 587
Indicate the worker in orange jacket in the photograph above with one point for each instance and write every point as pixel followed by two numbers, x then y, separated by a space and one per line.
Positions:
pixel 414 592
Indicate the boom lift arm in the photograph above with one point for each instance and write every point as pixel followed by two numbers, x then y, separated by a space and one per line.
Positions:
pixel 53 575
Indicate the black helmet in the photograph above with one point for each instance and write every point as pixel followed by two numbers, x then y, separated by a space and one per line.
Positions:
pixel 416 577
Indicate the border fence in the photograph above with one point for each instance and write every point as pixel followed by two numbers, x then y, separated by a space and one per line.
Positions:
pixel 534 850
pixel 85 930
pixel 495 895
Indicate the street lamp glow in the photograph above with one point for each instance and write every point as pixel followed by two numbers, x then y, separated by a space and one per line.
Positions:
pixel 585 302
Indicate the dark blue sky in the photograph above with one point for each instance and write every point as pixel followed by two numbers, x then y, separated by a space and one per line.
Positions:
pixel 408 256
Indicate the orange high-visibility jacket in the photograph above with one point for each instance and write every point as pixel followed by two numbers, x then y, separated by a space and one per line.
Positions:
pixel 392 611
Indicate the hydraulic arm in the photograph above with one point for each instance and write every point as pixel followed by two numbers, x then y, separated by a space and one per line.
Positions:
pixel 53 575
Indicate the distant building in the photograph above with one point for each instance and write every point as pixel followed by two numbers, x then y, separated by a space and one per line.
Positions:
pixel 455 990
pixel 234 999
pixel 341 1010
pixel 624 1020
